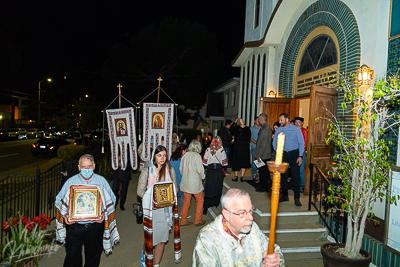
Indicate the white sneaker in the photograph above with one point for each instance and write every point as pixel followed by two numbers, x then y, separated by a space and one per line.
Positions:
pixel 142 260
pixel 180 217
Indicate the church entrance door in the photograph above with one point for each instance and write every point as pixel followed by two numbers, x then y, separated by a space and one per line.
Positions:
pixel 323 103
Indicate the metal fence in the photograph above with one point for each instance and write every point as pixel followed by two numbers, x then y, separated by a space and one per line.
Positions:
pixel 32 195
pixel 331 215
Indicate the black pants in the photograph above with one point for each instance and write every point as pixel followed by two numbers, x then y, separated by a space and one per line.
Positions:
pixel 265 175
pixel 291 158
pixel 125 177
pixel 91 236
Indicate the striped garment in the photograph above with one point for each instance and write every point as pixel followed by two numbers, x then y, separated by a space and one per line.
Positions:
pixel 110 234
pixel 148 226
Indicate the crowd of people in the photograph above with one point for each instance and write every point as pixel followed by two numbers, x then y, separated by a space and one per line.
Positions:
pixel 198 171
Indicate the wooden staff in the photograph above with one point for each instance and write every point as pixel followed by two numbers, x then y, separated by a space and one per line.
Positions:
pixel 276 167
pixel 158 94
pixel 119 157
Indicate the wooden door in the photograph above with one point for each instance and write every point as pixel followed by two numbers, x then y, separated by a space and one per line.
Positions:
pixel 275 106
pixel 323 103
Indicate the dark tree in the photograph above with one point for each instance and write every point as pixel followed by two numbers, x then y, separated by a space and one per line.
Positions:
pixel 183 53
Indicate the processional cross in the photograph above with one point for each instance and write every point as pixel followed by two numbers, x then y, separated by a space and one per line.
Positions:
pixel 119 94
pixel 159 83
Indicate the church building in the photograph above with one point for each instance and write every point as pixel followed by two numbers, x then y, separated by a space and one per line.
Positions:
pixel 294 53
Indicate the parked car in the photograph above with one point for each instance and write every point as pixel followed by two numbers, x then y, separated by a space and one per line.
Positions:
pixel 35 133
pixel 48 146
pixel 4 136
pixel 98 135
pixel 18 133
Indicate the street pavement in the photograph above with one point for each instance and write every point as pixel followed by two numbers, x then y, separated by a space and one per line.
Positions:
pixel 14 154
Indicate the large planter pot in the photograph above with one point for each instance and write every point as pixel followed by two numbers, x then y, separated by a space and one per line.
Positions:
pixel 333 260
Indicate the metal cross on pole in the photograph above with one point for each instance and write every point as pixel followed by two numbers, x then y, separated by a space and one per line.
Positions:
pixel 159 83
pixel 119 94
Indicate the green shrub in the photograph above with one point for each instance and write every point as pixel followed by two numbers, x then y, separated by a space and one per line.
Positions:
pixel 71 151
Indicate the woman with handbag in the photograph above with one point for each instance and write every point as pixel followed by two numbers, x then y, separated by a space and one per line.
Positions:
pixel 157 222
pixel 192 171
pixel 214 159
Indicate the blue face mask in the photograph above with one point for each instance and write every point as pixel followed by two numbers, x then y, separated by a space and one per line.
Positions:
pixel 86 173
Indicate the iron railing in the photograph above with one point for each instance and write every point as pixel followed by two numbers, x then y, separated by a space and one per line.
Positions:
pixel 32 195
pixel 331 215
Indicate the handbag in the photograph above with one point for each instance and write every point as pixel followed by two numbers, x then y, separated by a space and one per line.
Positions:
pixel 223 170
pixel 138 210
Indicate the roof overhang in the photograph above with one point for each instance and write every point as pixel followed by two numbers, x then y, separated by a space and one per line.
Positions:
pixel 277 24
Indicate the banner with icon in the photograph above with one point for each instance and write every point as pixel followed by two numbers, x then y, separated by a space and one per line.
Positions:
pixel 121 125
pixel 157 127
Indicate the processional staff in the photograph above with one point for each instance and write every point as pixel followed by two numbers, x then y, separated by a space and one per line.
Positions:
pixel 119 159
pixel 159 83
pixel 276 167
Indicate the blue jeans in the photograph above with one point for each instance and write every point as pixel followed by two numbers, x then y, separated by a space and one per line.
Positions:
pixel 227 157
pixel 253 167
pixel 302 178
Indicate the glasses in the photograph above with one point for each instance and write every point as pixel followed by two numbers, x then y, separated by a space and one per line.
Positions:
pixel 243 214
pixel 87 167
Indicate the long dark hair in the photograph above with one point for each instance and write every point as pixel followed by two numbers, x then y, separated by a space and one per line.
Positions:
pixel 162 172
pixel 178 152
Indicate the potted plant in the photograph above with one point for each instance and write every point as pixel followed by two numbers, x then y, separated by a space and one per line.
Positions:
pixel 362 158
pixel 27 242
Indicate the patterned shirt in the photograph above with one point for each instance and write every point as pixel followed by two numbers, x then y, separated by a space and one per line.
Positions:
pixel 217 248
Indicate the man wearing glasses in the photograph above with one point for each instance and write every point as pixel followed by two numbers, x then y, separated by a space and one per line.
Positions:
pixel 233 239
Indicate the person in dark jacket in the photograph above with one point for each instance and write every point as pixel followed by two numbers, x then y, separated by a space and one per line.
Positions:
pixel 226 139
pixel 241 157
pixel 120 184
pixel 263 152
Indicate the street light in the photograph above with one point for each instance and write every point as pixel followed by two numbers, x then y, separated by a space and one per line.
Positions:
pixel 38 123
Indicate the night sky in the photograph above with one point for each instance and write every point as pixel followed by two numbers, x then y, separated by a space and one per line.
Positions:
pixel 52 38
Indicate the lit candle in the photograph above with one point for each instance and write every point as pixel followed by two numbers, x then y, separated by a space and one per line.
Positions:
pixel 279 148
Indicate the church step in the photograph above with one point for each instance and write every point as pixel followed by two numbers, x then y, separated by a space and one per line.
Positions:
pixel 264 218
pixel 294 232
pixel 304 262
pixel 303 249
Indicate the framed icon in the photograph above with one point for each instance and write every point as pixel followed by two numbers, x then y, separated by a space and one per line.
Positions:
pixel 120 127
pixel 85 204
pixel 157 121
pixel 163 195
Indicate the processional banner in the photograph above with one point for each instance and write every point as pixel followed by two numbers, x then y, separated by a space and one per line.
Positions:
pixel 121 125
pixel 158 124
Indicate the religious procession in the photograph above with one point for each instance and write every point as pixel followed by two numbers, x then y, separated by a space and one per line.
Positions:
pixel 294 162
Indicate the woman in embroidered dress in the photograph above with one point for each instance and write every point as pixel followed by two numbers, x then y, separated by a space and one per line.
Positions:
pixel 214 159
pixel 159 171
pixel 192 171
pixel 176 163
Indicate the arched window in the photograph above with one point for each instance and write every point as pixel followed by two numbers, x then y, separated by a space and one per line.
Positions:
pixel 317 61
pixel 320 53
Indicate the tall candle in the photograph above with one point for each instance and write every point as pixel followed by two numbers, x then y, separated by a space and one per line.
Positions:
pixel 279 148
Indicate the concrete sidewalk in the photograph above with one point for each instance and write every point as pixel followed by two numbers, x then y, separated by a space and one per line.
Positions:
pixel 127 253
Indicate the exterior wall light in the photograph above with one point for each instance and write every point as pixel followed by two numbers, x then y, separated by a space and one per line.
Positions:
pixel 364 75
pixel 271 94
